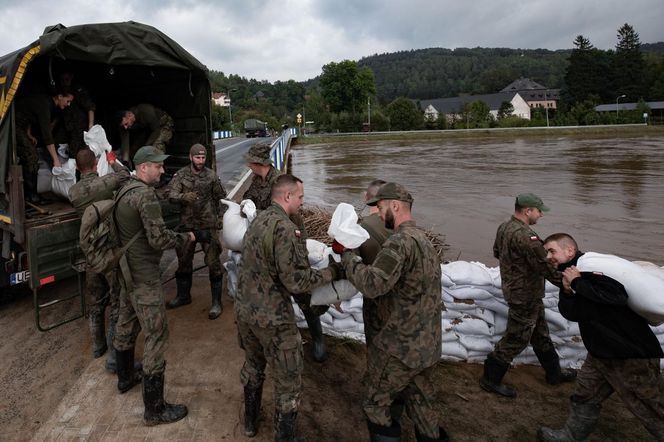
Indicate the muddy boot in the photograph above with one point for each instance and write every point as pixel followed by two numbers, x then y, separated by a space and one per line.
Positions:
pixel 183 295
pixel 319 350
pixel 111 360
pixel 551 364
pixel 252 408
pixel 99 346
pixel 128 376
pixel 494 371
pixel 284 427
pixel 396 409
pixel 442 436
pixel 217 307
pixel 580 423
pixel 378 433
pixel 157 410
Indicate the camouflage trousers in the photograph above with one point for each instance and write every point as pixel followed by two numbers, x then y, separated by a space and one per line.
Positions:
pixel 525 324
pixel 165 132
pixel 387 378
pixel 102 291
pixel 638 382
pixel 143 309
pixel 281 347
pixel 372 324
pixel 212 252
pixel 26 151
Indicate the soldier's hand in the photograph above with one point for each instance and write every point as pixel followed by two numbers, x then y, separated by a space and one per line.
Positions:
pixel 191 237
pixel 337 247
pixel 188 197
pixel 336 268
pixel 111 157
pixel 202 236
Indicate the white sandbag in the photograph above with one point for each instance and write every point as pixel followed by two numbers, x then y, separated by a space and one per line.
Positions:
pixel 461 306
pixel 499 324
pixel 467 273
pixel 449 336
pixel 96 140
pixel 645 290
pixel 235 226
pixel 476 343
pixel 445 279
pixel 345 229
pixel 484 314
pixel 316 252
pixel 451 314
pixel 455 349
pixel 446 295
pixel 493 304
pixel 63 178
pixel 44 178
pixel 571 330
pixel 327 319
pixel 345 324
pixel 336 314
pixel 472 326
pixel 248 207
pixel 232 272
pixel 335 291
pixel 359 317
pixel 556 320
pixel 469 292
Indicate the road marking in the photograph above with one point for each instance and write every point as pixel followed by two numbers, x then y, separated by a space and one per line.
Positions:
pixel 230 147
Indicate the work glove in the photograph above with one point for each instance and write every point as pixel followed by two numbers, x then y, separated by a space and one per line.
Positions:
pixel 188 197
pixel 337 247
pixel 202 236
pixel 111 157
pixel 336 268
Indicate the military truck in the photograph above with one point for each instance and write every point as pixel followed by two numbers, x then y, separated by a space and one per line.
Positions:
pixel 120 64
pixel 255 128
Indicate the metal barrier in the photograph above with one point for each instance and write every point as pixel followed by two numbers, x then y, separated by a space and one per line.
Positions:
pixel 218 134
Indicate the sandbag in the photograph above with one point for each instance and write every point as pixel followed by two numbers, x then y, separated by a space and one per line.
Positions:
pixel 335 291
pixel 235 226
pixel 345 229
pixel 316 252
pixel 645 290
pixel 63 178
pixel 44 178
pixel 96 140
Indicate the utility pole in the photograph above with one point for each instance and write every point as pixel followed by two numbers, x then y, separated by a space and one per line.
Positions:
pixel 369 112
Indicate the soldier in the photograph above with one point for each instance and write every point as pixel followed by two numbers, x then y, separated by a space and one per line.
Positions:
pixel 78 117
pixel 33 118
pixel 523 267
pixel 102 290
pixel 198 190
pixel 274 266
pixel 148 125
pixel 139 219
pixel 260 163
pixel 623 352
pixel 404 281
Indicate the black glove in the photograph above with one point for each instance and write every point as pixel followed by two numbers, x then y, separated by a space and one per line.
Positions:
pixel 202 236
pixel 336 268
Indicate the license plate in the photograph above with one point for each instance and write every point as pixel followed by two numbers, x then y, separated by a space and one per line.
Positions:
pixel 19 277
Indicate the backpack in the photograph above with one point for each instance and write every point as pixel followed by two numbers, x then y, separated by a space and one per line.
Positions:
pixel 99 236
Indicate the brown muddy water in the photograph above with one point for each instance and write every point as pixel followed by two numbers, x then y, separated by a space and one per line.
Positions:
pixel 606 192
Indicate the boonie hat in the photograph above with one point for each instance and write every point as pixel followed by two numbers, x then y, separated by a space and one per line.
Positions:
pixel 197 149
pixel 149 154
pixel 391 191
pixel 259 153
pixel 531 200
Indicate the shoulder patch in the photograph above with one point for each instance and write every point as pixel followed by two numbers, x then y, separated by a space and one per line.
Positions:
pixel 534 238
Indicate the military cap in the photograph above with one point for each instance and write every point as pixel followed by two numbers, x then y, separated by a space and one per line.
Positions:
pixel 531 200
pixel 149 154
pixel 391 191
pixel 259 153
pixel 197 149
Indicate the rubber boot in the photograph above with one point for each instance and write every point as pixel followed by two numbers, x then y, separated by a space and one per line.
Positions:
pixel 99 345
pixel 284 427
pixel 494 371
pixel 111 360
pixel 183 283
pixel 30 187
pixel 215 289
pixel 551 364
pixel 157 410
pixel 580 423
pixel 396 409
pixel 128 376
pixel 379 433
pixel 442 436
pixel 319 349
pixel 252 407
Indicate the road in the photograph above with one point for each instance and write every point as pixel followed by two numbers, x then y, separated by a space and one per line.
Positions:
pixel 230 158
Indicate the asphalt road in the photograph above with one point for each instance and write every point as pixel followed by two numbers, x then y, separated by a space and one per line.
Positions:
pixel 230 158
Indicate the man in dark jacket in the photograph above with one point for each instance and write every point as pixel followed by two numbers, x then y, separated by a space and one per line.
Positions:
pixel 623 352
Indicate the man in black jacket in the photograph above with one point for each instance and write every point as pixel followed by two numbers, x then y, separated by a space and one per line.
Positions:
pixel 623 352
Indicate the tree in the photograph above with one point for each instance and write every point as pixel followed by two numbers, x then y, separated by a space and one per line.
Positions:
pixel 629 65
pixel 404 115
pixel 479 114
pixel 506 109
pixel 586 74
pixel 346 87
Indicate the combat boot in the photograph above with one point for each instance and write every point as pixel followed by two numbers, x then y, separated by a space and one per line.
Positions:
pixel 494 371
pixel 319 349
pixel 30 188
pixel 253 396
pixel 128 376
pixel 579 425
pixel 215 289
pixel 183 283
pixel 442 436
pixel 157 410
pixel 111 360
pixel 98 333
pixel 379 433
pixel 284 427
pixel 551 364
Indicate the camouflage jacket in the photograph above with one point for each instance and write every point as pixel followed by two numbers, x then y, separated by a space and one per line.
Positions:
pixel 260 190
pixel 92 187
pixel 274 266
pixel 205 212
pixel 148 118
pixel 139 210
pixel 523 264
pixel 405 282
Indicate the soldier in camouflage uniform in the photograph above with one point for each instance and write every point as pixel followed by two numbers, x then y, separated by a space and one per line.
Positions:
pixel 259 161
pixel 275 266
pixel 404 281
pixel 138 216
pixel 198 190
pixel 148 126
pixel 623 352
pixel 78 117
pixel 102 290
pixel 523 268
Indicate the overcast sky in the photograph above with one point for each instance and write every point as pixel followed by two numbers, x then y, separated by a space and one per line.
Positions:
pixel 292 39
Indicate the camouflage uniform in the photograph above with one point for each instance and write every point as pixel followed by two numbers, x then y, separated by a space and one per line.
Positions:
pixel 523 267
pixel 274 266
pixel 260 189
pixel 404 280
pixel 154 125
pixel 142 299
pixel 33 112
pixel 75 119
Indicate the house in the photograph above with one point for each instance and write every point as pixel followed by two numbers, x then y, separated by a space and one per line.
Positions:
pixel 536 95
pixel 221 99
pixel 453 106
pixel 656 115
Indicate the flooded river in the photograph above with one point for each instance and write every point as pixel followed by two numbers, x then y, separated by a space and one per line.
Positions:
pixel 608 193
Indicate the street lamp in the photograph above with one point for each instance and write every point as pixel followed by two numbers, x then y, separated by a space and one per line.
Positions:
pixel 230 113
pixel 617 99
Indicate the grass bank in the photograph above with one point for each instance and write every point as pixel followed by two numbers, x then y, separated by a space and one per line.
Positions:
pixel 625 130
